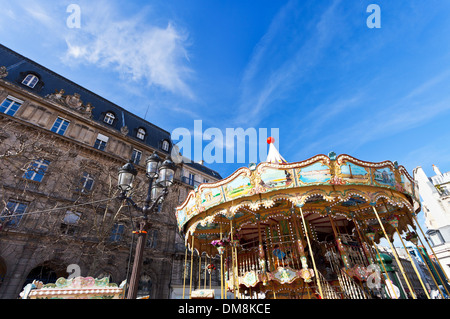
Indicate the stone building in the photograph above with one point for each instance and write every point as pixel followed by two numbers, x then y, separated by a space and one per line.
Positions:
pixel 422 270
pixel 61 146
pixel 435 194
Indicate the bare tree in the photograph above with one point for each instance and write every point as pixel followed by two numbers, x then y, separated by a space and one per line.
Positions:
pixel 72 209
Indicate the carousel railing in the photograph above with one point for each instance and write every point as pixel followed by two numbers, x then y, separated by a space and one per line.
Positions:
pixel 354 251
pixel 280 253
pixel 248 260
pixel 350 288
pixel 281 250
pixel 327 290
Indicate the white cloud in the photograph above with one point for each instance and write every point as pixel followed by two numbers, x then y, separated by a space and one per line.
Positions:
pixel 131 46
pixel 38 12
pixel 269 76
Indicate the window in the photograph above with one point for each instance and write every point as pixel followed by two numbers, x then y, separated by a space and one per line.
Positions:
pixel 69 224
pixel 191 179
pixel 136 156
pixel 10 105
pixel 87 183
pixel 152 238
pixel 109 118
pixel 141 133
pixel 12 213
pixel 117 232
pixel 30 80
pixel 205 180
pixel 165 146
pixel 36 170
pixel 60 126
pixel 101 141
pixel 144 286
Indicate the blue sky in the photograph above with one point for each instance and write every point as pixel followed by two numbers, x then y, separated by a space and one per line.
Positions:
pixel 312 69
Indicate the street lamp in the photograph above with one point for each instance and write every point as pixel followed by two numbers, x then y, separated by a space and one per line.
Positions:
pixel 160 177
pixel 166 172
pixel 127 173
pixel 152 164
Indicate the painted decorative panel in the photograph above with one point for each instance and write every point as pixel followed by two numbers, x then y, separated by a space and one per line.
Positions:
pixel 238 187
pixel 315 173
pixel 407 185
pixel 353 173
pixel 211 197
pixel 384 176
pixel 273 179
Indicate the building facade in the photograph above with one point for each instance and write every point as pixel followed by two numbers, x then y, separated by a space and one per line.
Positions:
pixel 61 146
pixel 415 279
pixel 435 194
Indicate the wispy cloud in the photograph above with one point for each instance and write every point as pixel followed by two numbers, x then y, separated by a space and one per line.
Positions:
pixel 38 13
pixel 144 48
pixel 140 52
pixel 411 110
pixel 268 75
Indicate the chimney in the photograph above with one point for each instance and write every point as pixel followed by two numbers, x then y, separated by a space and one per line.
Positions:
pixel 436 170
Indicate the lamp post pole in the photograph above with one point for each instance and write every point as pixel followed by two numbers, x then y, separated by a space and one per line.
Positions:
pixel 137 264
pixel 163 175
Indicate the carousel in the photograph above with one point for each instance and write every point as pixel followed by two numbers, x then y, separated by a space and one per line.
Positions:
pixel 304 230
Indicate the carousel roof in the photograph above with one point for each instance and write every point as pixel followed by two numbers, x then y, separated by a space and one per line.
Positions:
pixel 341 185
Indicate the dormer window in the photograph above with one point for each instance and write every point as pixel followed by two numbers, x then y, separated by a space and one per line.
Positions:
pixel 30 80
pixel 109 118
pixel 141 133
pixel 165 146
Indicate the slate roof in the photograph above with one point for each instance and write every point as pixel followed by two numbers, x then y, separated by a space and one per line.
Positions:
pixel 19 66
pixel 204 169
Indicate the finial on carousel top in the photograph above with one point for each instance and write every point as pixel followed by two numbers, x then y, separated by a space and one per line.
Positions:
pixel 274 156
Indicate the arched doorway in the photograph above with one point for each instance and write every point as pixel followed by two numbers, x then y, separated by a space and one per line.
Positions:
pixel 2 270
pixel 145 286
pixel 46 272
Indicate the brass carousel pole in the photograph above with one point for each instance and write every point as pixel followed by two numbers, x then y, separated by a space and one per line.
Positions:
pixel 300 247
pixel 413 264
pixel 221 267
pixel 236 284
pixel 233 257
pixel 379 258
pixel 407 252
pixel 445 275
pixel 311 253
pixel 261 255
pixel 204 282
pixel 428 267
pixel 443 284
pixel 385 271
pixel 184 275
pixel 210 262
pixel 225 285
pixel 367 252
pixel 192 266
pixel 199 266
pixel 341 248
pixel 394 253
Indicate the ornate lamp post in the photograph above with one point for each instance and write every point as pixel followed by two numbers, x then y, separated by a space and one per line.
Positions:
pixel 160 178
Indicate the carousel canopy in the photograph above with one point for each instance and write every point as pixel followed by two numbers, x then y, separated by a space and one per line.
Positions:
pixel 341 186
